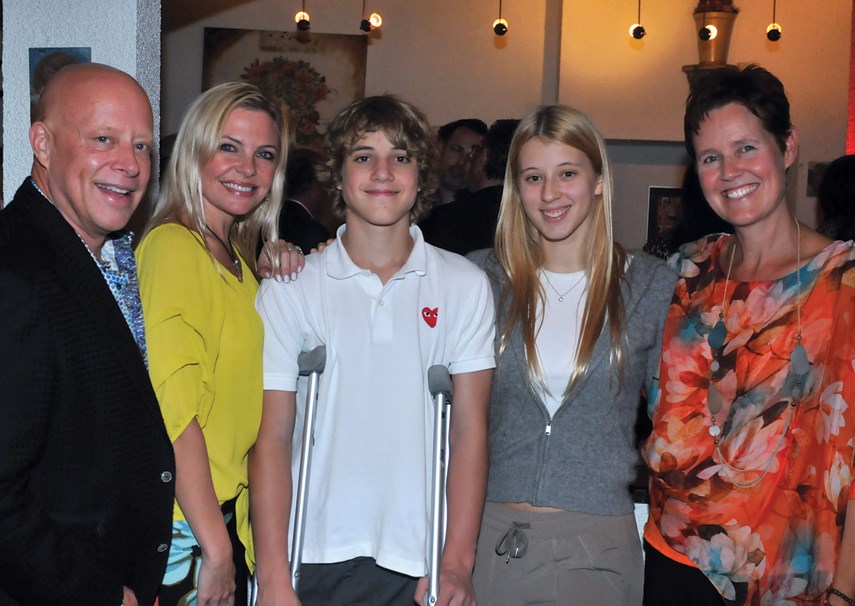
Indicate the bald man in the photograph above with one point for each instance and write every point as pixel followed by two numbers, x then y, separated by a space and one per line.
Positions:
pixel 86 467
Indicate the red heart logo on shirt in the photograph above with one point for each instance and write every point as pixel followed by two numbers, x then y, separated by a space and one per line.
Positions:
pixel 430 315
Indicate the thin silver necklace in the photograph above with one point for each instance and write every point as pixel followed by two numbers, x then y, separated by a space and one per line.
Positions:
pixel 230 252
pixel 561 295
pixel 799 368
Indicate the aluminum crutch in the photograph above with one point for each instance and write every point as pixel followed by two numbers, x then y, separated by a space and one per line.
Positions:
pixel 311 365
pixel 440 387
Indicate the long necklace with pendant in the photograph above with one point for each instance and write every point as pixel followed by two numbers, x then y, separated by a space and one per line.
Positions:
pixel 799 368
pixel 238 270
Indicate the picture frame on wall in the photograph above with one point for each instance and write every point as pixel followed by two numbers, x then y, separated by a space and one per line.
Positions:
pixel 45 62
pixel 314 75
pixel 664 210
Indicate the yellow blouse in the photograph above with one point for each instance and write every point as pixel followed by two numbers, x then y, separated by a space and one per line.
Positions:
pixel 204 345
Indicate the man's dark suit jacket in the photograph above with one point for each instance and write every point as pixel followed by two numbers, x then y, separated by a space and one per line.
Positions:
pixel 297 226
pixel 466 224
pixel 86 467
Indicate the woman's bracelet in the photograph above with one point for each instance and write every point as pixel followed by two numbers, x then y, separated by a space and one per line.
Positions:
pixel 833 591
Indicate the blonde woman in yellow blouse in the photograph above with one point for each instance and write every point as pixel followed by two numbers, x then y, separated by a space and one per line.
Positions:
pixel 198 283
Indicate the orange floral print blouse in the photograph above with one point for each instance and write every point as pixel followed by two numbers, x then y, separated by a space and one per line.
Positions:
pixel 761 515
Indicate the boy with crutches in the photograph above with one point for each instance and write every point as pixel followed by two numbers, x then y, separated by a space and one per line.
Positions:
pixel 387 306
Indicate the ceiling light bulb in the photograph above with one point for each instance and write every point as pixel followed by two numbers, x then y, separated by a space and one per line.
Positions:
pixel 302 20
pixel 708 32
pixel 375 20
pixel 636 30
pixel 500 26
pixel 773 32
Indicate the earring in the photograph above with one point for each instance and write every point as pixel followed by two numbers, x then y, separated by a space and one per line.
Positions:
pixel 266 198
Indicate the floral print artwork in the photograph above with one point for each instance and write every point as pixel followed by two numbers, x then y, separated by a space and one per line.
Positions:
pixel 761 515
pixel 300 86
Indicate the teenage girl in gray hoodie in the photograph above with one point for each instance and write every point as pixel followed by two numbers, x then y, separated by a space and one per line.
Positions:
pixel 579 323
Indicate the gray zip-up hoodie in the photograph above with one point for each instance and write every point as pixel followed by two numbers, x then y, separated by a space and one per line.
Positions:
pixel 583 457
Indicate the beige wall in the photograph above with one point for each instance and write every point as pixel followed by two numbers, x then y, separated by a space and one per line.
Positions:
pixel 121 33
pixel 443 56
pixel 636 90
pixel 449 67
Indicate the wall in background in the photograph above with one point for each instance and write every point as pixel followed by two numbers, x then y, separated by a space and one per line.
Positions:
pixel 635 90
pixel 450 67
pixel 121 33
pixel 443 56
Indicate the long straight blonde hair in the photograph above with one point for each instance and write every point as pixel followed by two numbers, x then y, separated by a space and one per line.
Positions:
pixel 520 253
pixel 181 199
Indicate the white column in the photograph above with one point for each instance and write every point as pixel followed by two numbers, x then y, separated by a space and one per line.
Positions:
pixel 121 33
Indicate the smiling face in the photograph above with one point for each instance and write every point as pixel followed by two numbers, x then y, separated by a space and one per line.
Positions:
pixel 93 149
pixel 742 168
pixel 239 174
pixel 379 182
pixel 558 187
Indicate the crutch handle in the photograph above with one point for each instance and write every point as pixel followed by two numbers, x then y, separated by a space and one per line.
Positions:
pixel 439 381
pixel 312 361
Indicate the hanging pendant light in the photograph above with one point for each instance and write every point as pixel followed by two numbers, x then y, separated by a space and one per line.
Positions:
pixel 773 32
pixel 302 19
pixel 372 22
pixel 500 26
pixel 636 30
pixel 707 32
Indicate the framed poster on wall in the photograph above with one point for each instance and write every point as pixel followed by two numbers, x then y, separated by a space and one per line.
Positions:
pixel 314 75
pixel 664 209
pixel 45 62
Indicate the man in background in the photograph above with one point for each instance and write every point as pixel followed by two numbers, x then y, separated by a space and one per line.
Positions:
pixel 307 205
pixel 459 141
pixel 469 222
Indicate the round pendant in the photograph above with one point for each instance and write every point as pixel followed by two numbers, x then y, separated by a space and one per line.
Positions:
pixel 714 366
pixel 561 299
pixel 715 431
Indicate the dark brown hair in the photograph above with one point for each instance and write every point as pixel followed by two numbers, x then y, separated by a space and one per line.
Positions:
pixel 751 86
pixel 404 125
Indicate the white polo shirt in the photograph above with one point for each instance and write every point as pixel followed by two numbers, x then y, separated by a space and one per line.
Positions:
pixel 372 454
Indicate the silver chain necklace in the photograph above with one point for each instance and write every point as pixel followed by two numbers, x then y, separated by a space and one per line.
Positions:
pixel 561 295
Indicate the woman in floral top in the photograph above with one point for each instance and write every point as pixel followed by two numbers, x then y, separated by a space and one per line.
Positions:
pixel 751 455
